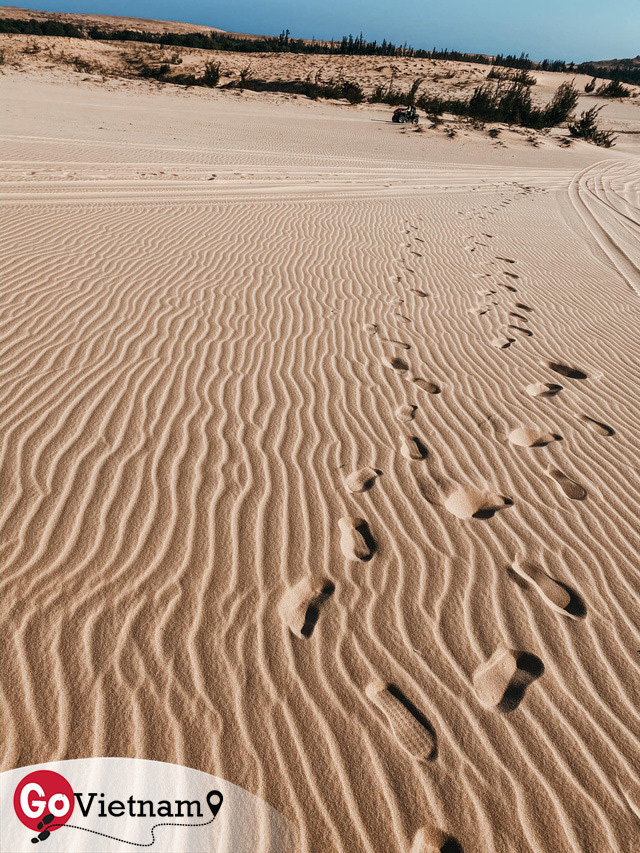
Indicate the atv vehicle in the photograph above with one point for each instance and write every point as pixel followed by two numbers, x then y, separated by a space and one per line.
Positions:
pixel 405 114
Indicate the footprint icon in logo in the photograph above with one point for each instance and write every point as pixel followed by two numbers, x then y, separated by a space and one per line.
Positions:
pixel 42 836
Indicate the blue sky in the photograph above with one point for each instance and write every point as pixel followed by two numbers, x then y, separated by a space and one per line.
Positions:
pixel 563 29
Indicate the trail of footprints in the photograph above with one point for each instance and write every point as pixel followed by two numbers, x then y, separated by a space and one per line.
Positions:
pixel 501 681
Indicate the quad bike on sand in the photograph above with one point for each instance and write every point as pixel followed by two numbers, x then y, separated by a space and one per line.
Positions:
pixel 405 114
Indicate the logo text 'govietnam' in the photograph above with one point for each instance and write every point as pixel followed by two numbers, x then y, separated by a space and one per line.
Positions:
pixel 44 801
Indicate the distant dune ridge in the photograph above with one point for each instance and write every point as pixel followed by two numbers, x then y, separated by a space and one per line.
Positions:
pixel 150 25
pixel 156 26
pixel 274 503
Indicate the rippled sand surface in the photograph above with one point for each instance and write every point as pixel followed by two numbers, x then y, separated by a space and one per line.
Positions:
pixel 320 464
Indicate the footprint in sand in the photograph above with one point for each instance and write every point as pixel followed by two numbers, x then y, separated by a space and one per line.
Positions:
pixel 429 387
pixel 563 369
pixel 510 274
pixel 523 307
pixel 412 448
pixel 597 426
pixel 361 480
pixel 402 344
pixel 406 413
pixel 356 541
pixel 542 389
pixel 471 502
pixel 371 328
pixel 502 342
pixel 430 839
pixel 501 681
pixel 409 725
pixel 527 332
pixel 300 606
pixel 571 489
pixel 418 292
pixel 506 260
pixel 395 363
pixel 508 287
pixel 518 317
pixel 558 596
pixel 530 436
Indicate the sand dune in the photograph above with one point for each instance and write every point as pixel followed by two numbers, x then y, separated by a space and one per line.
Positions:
pixel 107 21
pixel 200 304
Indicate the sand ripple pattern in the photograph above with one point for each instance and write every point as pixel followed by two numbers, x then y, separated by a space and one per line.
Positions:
pixel 607 197
pixel 186 386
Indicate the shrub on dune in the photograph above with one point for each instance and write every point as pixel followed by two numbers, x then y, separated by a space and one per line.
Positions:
pixel 561 105
pixel 517 76
pixel 510 103
pixel 413 91
pixel 352 92
pixel 394 97
pixel 211 76
pixel 586 127
pixel 341 89
pixel 614 89
pixel 514 105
